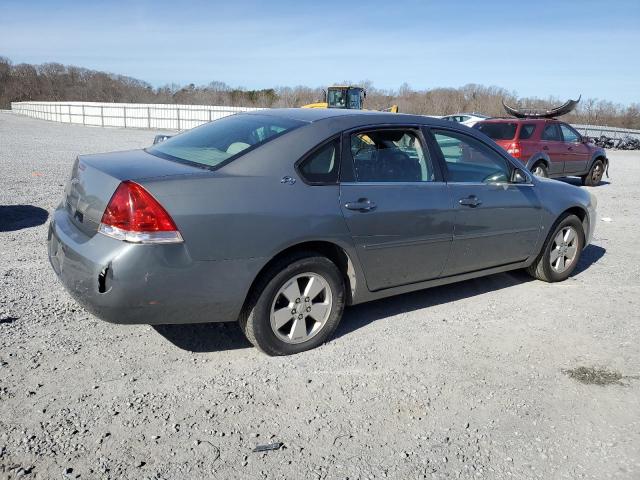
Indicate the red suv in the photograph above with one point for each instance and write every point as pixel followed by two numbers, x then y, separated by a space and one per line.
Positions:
pixel 548 147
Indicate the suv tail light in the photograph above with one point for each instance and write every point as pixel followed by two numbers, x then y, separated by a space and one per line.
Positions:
pixel 515 150
pixel 133 215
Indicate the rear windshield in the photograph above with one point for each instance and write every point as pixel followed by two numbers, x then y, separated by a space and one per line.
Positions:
pixel 213 144
pixel 497 131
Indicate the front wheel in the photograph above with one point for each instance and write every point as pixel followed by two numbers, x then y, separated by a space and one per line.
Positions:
pixel 561 251
pixel 295 306
pixel 594 176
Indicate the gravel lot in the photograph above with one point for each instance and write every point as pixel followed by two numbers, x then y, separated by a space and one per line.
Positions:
pixel 462 381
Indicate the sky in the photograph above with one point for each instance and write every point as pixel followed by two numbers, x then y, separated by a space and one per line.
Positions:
pixel 536 48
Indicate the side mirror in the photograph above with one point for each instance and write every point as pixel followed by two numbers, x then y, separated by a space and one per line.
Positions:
pixel 585 139
pixel 518 176
pixel 160 138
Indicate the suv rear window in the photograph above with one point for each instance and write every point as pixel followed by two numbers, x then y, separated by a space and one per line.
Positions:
pixel 216 143
pixel 497 131
pixel 526 131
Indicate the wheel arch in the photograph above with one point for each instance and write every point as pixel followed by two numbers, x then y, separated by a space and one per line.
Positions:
pixel 332 251
pixel 540 157
pixel 582 215
pixel 599 155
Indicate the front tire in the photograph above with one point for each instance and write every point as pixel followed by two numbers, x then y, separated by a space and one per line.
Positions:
pixel 561 251
pixel 295 306
pixel 594 176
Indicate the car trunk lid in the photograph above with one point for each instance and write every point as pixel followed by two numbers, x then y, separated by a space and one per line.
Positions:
pixel 94 179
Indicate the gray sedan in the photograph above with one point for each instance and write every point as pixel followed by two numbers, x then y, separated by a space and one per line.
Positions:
pixel 279 219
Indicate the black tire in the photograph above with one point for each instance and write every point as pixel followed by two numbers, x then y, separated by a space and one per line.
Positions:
pixel 544 171
pixel 541 267
pixel 594 176
pixel 255 319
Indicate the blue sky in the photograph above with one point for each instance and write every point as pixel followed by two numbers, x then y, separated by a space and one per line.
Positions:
pixel 535 48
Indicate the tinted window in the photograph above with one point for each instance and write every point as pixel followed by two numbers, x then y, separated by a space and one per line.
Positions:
pixel 469 160
pixel 218 141
pixel 551 132
pixel 569 134
pixel 498 131
pixel 390 156
pixel 321 166
pixel 526 131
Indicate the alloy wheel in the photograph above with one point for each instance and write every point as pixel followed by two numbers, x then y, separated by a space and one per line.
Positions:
pixel 301 308
pixel 564 249
pixel 596 175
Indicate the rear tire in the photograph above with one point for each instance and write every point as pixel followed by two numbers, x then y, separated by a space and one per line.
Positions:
pixel 594 176
pixel 561 251
pixel 540 170
pixel 295 306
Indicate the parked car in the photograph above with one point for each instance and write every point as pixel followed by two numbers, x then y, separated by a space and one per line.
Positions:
pixel 468 119
pixel 548 147
pixel 280 218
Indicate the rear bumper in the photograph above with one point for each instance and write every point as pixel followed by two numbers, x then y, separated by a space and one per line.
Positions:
pixel 151 284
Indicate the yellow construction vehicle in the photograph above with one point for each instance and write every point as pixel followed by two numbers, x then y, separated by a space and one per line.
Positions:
pixel 345 96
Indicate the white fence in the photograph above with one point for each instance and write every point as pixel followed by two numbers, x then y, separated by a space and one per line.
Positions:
pixel 127 115
pixel 181 117
pixel 596 131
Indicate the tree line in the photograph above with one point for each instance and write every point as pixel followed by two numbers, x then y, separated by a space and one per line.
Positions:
pixel 56 82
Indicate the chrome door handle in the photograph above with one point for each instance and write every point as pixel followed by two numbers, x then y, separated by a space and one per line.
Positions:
pixel 361 205
pixel 470 201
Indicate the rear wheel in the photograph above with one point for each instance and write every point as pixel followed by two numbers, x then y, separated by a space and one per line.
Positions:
pixel 540 170
pixel 295 306
pixel 561 251
pixel 594 176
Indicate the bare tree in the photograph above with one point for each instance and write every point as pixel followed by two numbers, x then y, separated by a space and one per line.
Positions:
pixel 56 82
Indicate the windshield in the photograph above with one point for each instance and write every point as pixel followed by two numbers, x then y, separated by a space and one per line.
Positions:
pixel 336 98
pixel 498 131
pixel 217 142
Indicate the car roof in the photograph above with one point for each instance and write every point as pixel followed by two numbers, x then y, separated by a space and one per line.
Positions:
pixel 519 120
pixel 311 115
pixel 471 114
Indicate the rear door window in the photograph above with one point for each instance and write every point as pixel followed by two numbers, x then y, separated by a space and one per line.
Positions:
pixel 551 133
pixel 396 155
pixel 526 131
pixel 498 130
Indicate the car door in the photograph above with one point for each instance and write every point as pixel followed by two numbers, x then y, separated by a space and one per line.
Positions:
pixel 496 222
pixel 577 154
pixel 396 206
pixel 553 146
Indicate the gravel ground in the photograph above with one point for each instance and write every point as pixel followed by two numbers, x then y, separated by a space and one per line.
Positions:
pixel 463 381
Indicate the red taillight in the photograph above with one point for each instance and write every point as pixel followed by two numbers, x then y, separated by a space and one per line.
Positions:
pixel 515 150
pixel 134 215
